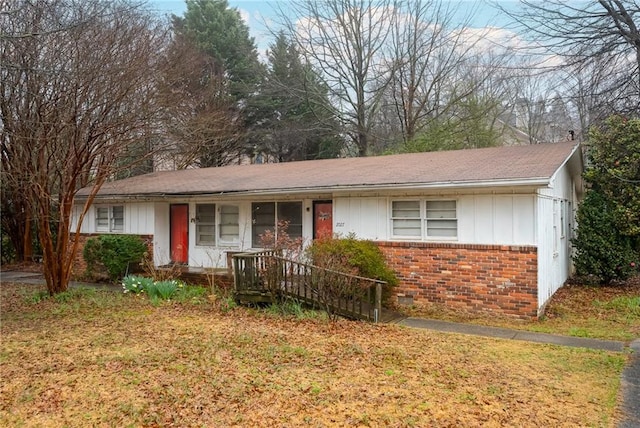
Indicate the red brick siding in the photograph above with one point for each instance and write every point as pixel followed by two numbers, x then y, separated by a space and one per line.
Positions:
pixel 80 266
pixel 477 278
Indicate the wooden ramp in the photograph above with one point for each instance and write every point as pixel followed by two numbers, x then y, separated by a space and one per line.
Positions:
pixel 265 277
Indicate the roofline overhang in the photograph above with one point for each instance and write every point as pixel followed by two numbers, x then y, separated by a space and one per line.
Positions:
pixel 449 185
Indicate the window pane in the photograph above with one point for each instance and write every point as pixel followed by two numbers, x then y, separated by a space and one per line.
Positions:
pixel 441 209
pixel 117 217
pixel 442 228
pixel 263 218
pixel 229 227
pixel 409 209
pixel 406 227
pixel 206 213
pixel 291 212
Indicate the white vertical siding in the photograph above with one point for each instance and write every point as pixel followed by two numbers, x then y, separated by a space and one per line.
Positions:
pixel 161 249
pixel 496 219
pixel 367 218
pixel 138 218
pixel 554 250
pixel 547 261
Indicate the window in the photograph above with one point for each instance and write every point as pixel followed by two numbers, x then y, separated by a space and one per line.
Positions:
pixel 110 218
pixel 205 224
pixel 406 219
pixel 229 224
pixel 441 219
pixel 266 215
pixel 438 217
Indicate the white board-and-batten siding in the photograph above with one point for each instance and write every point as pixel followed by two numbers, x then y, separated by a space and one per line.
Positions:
pixel 556 207
pixel 482 219
pixel 139 218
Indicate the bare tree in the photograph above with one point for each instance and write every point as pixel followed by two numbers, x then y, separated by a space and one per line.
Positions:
pixel 344 39
pixel 589 33
pixel 427 53
pixel 204 128
pixel 77 89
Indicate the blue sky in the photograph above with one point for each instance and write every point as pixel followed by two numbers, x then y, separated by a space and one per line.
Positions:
pixel 257 12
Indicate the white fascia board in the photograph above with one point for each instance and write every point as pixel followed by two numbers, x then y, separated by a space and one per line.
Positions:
pixel 328 190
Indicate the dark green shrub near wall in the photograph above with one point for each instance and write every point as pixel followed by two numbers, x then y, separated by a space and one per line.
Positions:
pixel 113 254
pixel 601 249
pixel 354 256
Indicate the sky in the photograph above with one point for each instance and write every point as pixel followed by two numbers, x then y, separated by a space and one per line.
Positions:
pixel 258 12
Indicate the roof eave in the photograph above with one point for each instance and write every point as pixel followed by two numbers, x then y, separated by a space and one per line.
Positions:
pixel 523 182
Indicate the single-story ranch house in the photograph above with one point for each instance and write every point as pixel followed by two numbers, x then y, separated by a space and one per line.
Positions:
pixel 481 230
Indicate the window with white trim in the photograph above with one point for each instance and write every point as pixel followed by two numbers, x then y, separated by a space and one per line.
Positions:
pixel 405 218
pixel 429 219
pixel 205 224
pixel 441 219
pixel 267 215
pixel 110 218
pixel 229 224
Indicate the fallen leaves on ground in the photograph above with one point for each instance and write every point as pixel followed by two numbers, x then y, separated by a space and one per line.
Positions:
pixel 106 359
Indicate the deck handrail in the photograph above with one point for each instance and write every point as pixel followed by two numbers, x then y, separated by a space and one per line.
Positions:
pixel 336 292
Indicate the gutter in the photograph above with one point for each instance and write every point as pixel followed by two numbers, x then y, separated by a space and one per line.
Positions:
pixel 531 182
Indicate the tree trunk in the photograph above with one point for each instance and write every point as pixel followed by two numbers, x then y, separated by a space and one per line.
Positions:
pixel 27 242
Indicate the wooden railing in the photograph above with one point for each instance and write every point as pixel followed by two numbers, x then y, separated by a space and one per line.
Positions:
pixel 272 277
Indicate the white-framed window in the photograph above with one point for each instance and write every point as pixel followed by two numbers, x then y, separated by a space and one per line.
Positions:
pixel 110 218
pixel 405 219
pixel 229 227
pixel 217 224
pixel 267 215
pixel 424 219
pixel 205 224
pixel 441 219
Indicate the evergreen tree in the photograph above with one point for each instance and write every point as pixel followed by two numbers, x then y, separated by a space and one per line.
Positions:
pixel 608 239
pixel 219 32
pixel 292 112
pixel 217 65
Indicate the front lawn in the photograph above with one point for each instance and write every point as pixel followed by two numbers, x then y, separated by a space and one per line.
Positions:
pixel 96 358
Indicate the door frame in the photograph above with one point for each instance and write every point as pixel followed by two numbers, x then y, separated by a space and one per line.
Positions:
pixel 318 202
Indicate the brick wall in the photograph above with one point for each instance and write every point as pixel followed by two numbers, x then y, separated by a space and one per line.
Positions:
pixel 80 266
pixel 477 278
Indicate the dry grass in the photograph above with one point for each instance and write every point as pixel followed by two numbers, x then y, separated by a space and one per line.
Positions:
pixel 603 312
pixel 106 359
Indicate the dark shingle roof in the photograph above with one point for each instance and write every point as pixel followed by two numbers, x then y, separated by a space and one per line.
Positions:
pixel 460 167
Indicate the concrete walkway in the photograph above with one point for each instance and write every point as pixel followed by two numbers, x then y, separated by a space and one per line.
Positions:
pixel 505 333
pixel 630 381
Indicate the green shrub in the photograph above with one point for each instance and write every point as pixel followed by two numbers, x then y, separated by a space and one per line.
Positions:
pixel 113 253
pixel 356 257
pixel 600 249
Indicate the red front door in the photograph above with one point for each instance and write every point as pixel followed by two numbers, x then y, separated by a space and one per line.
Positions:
pixel 179 219
pixel 322 219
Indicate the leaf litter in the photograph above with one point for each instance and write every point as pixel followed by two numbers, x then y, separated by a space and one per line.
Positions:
pixel 122 362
